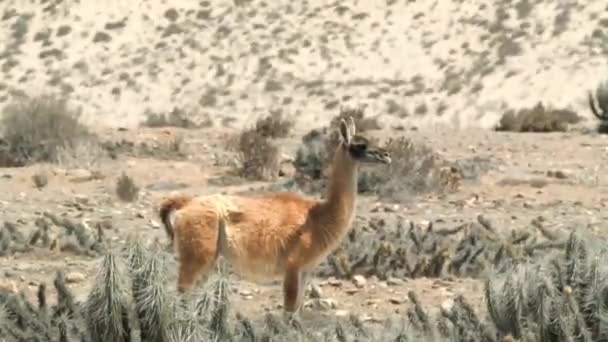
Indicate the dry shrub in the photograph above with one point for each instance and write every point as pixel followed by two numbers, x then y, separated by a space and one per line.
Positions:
pixel 537 119
pixel 314 157
pixel 415 168
pixel 259 155
pixel 274 125
pixel 126 189
pixel 176 118
pixel 36 129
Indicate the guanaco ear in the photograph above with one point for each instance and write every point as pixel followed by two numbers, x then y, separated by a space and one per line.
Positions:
pixel 353 128
pixel 345 132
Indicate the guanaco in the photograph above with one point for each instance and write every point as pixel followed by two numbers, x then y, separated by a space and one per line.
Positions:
pixel 275 235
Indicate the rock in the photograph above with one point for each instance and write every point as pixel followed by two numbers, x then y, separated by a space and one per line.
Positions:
pixel 315 291
pixel 396 300
pixel 392 281
pixel 246 294
pixel 9 286
pixel 359 280
pixel 324 304
pixel 351 291
pixel 74 277
pixel 334 282
pixel 341 313
pixel 79 175
pixel 559 174
pixel 447 305
pixel 154 224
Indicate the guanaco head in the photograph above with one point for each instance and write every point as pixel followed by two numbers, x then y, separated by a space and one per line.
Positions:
pixel 360 148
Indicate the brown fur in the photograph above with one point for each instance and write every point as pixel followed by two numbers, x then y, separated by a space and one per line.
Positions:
pixel 167 206
pixel 266 236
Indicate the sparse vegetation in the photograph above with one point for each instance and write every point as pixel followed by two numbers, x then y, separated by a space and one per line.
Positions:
pixel 258 153
pixel 537 119
pixel 176 118
pixel 40 180
pixel 37 129
pixel 130 300
pixel 126 189
pixel 415 169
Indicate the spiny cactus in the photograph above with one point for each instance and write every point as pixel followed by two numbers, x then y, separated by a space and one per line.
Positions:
pixel 376 248
pixel 601 111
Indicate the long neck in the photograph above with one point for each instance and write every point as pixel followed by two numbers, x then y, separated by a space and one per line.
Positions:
pixel 339 204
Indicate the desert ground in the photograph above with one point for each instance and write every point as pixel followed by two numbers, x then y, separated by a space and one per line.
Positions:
pixel 440 74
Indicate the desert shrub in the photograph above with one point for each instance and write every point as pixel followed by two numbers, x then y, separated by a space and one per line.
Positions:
pixel 416 168
pixel 537 119
pixel 314 157
pixel 274 125
pixel 258 152
pixel 176 118
pixel 126 189
pixel 601 111
pixel 36 129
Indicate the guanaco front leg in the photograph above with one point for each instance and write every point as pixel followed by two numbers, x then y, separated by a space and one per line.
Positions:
pixel 293 289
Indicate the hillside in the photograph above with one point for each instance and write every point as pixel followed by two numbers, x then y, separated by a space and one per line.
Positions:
pixel 457 62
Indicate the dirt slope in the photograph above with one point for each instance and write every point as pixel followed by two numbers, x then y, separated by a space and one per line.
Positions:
pixel 457 62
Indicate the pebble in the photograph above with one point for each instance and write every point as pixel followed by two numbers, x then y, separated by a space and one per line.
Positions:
pixel 341 313
pixel 396 300
pixel 315 291
pixel 359 281
pixel 324 304
pixel 392 281
pixel 74 277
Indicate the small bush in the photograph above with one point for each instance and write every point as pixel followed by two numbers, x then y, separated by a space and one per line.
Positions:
pixel 274 125
pixel 176 118
pixel 126 189
pixel 314 157
pixel 258 155
pixel 537 119
pixel 36 129
pixel 415 168
pixel 40 180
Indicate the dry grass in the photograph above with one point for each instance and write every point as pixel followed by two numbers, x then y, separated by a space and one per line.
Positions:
pixel 537 119
pixel 37 129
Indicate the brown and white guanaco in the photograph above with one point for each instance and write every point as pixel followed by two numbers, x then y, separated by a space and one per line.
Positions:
pixel 277 235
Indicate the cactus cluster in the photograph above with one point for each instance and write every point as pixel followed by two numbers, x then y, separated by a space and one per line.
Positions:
pixel 561 297
pixel 375 248
pixel 52 232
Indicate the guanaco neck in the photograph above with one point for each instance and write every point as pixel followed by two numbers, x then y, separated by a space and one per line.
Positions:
pixel 339 204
